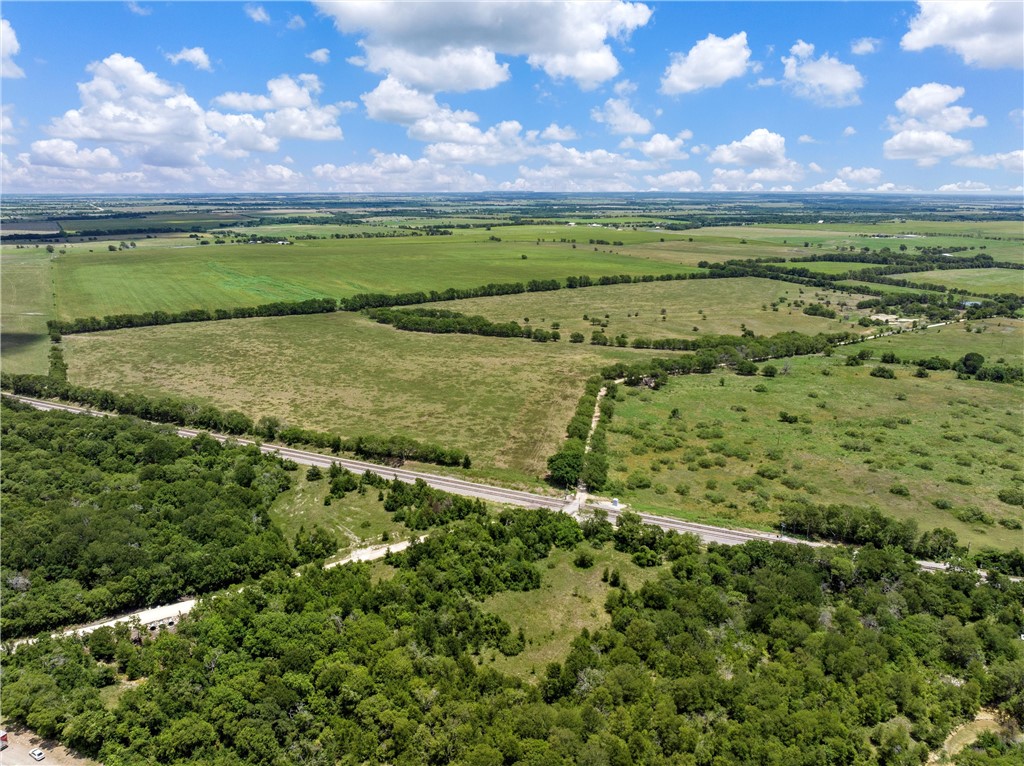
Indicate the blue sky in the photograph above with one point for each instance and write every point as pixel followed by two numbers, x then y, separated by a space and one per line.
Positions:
pixel 544 96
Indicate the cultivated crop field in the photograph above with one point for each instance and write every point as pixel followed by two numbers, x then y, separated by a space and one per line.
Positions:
pixel 897 444
pixel 671 309
pixel 505 401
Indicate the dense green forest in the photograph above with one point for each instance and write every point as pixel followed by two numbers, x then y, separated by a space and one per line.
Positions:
pixel 762 653
pixel 103 515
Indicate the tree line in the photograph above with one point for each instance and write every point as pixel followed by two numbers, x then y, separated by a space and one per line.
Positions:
pixel 573 464
pixel 171 409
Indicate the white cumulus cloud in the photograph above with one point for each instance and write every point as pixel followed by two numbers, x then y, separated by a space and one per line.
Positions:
pixel 825 80
pixel 930 106
pixel 710 63
pixel 137 9
pixel 398 173
pixel 760 147
pixel 864 46
pixel 450 69
pixel 982 32
pixel 849 130
pixel 567 40
pixel 927 118
pixel 860 175
pixel 7 137
pixel 925 147
pixel 835 185
pixel 9 47
pixel 556 132
pixel 676 180
pixel 59 152
pixel 965 186
pixel 320 55
pixel 1004 160
pixel 195 56
pixel 257 13
pixel 661 146
pixel 618 115
pixel 392 101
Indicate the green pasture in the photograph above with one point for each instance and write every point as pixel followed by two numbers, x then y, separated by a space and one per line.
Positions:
pixel 569 599
pixel 857 438
pixel 504 400
pixel 975 280
pixel 995 339
pixel 183 276
pixel 26 302
pixel 692 307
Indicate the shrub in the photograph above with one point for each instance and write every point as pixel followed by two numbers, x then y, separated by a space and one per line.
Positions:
pixel 761 388
pixel 883 372
pixel 1012 496
pixel 638 480
pixel 900 489
pixel 584 559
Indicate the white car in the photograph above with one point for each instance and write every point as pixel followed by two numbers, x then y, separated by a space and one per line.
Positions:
pixel 37 754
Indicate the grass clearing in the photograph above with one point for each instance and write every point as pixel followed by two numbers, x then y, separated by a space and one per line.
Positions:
pixel 504 400
pixel 715 306
pixel 356 520
pixel 975 280
pixel 727 457
pixel 569 600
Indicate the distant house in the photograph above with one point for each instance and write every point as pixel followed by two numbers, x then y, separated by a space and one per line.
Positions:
pixel 970 304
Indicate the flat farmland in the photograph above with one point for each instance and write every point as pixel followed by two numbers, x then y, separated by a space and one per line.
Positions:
pixel 179 277
pixel 25 304
pixel 728 457
pixel 505 401
pixel 712 306
pixel 975 280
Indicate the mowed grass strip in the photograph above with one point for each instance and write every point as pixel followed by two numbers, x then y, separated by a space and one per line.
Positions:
pixel 505 401
pixel 975 280
pixel 691 308
pixel 25 305
pixel 186 275
pixel 896 444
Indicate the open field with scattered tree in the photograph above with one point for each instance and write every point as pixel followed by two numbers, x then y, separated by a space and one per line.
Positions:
pixel 672 309
pixel 938 450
